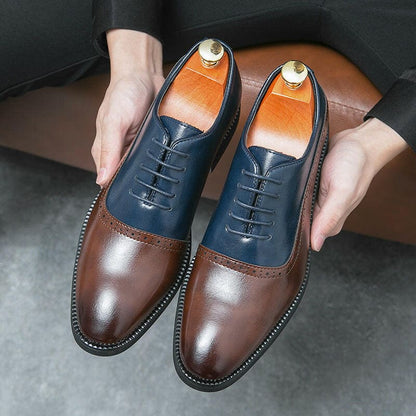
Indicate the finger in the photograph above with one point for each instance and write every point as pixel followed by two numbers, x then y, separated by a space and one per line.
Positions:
pixel 96 146
pixel 333 209
pixel 95 152
pixel 319 202
pixel 112 145
pixel 158 82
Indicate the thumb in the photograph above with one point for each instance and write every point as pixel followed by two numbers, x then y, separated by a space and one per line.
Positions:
pixel 112 146
pixel 330 215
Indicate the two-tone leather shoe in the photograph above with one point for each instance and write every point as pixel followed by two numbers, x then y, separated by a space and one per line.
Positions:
pixel 251 268
pixel 135 242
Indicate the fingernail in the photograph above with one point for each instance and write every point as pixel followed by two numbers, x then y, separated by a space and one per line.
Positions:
pixel 319 242
pixel 101 176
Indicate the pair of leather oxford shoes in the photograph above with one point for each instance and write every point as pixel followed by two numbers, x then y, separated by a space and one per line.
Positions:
pixel 251 269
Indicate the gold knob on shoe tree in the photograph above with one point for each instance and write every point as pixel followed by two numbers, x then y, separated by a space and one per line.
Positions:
pixel 294 73
pixel 210 51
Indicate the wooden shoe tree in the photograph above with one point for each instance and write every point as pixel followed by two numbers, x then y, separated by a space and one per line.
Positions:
pixel 284 120
pixel 196 94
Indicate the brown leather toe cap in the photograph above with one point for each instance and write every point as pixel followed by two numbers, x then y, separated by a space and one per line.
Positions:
pixel 229 309
pixel 122 275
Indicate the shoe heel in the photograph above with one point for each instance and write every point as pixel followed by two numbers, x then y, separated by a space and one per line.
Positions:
pixel 226 139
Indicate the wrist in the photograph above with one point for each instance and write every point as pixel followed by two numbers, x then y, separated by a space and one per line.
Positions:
pixel 132 52
pixel 380 142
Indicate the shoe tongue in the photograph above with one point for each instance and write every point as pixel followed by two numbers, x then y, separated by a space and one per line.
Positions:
pixel 268 159
pixel 178 129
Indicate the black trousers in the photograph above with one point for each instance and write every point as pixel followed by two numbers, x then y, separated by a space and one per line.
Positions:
pixel 52 44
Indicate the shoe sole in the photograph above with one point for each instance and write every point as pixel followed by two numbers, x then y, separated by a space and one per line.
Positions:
pixel 207 385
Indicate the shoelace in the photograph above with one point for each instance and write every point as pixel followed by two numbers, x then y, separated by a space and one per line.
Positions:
pixel 157 174
pixel 253 208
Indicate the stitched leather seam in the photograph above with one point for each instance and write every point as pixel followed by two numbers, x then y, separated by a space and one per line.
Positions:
pixel 127 229
pixel 245 267
pixel 139 241
pixel 358 110
pixel 276 271
pixel 241 271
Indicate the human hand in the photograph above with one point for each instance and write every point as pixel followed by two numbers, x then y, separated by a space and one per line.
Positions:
pixel 136 77
pixel 354 158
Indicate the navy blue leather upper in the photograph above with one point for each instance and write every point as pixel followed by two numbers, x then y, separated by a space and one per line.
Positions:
pixel 181 155
pixel 265 235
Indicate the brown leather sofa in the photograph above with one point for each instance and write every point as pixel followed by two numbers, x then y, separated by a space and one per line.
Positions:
pixel 59 124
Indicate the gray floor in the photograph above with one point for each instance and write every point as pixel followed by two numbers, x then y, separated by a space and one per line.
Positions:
pixel 349 350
